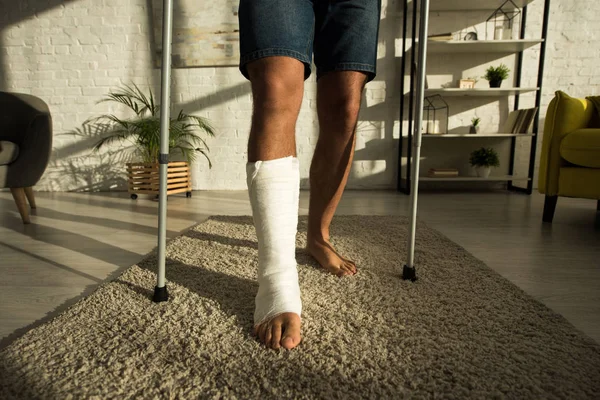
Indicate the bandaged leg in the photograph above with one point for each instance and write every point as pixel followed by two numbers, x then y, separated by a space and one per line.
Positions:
pixel 274 187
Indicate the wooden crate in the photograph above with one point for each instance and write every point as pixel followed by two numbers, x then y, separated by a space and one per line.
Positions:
pixel 144 178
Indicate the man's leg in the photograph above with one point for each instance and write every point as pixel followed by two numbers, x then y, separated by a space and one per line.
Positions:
pixel 273 184
pixel 338 104
pixel 277 90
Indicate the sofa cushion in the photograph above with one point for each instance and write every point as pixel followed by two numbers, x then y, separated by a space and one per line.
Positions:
pixel 582 147
pixel 9 152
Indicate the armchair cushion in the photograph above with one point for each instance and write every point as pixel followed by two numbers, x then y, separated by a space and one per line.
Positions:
pixel 9 152
pixel 582 147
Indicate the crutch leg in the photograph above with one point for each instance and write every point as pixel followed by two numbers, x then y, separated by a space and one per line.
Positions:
pixel 409 271
pixel 160 291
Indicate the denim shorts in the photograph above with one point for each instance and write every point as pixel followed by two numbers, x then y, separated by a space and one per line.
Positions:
pixel 342 33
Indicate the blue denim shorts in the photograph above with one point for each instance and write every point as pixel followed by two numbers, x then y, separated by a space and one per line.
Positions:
pixel 342 33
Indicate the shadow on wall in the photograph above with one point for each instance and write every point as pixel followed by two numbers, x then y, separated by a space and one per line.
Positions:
pixel 80 168
pixel 374 164
pixel 73 166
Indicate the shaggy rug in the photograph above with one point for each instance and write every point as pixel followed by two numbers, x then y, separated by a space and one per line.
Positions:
pixel 461 331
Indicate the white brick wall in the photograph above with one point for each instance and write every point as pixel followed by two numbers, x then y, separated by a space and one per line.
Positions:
pixel 72 54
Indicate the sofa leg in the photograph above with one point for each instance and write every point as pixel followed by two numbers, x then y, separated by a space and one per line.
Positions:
pixel 549 207
pixel 21 201
pixel 30 196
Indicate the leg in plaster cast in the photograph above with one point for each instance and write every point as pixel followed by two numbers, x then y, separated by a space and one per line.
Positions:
pixel 273 182
pixel 338 103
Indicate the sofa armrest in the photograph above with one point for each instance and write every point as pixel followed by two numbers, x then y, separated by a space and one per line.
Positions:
pixel 26 121
pixel 565 114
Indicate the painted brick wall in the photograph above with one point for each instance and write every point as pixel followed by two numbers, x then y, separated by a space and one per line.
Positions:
pixel 71 53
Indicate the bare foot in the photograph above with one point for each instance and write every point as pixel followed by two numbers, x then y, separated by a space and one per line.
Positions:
pixel 281 331
pixel 330 259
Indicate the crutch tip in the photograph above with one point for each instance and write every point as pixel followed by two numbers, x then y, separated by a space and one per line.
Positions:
pixel 160 294
pixel 409 274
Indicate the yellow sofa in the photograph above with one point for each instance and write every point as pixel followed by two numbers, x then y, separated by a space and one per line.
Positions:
pixel 570 158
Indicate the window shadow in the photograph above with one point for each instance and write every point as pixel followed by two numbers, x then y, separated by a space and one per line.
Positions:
pixel 71 241
pixel 96 200
pixel 95 221
pixel 51 262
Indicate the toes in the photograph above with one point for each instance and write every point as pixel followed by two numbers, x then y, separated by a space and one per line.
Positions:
pixel 282 331
pixel 268 335
pixel 291 336
pixel 351 267
pixel 345 270
pixel 261 332
pixel 276 336
pixel 288 343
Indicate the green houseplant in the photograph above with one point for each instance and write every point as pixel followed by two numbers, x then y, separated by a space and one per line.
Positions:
pixel 143 131
pixel 483 160
pixel 495 75
pixel 475 125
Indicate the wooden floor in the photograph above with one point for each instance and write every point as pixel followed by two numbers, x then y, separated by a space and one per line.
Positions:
pixel 77 241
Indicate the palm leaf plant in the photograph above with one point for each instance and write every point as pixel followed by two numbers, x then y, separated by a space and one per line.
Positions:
pixel 143 130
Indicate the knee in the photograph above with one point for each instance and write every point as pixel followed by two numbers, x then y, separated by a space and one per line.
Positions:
pixel 275 91
pixel 341 110
pixel 349 107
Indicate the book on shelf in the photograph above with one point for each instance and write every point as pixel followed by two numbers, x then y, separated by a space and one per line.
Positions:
pixel 442 172
pixel 441 37
pixel 520 121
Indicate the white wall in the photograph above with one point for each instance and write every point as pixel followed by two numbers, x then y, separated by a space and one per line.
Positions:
pixel 71 53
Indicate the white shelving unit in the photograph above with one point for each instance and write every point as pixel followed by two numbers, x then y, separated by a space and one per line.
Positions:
pixel 475 136
pixel 478 92
pixel 462 5
pixel 481 46
pixel 499 178
pixel 462 48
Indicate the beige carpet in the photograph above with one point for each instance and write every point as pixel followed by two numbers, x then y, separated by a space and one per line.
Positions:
pixel 461 331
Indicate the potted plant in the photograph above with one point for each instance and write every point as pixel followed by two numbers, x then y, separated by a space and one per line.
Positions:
pixel 495 75
pixel 143 131
pixel 483 160
pixel 475 125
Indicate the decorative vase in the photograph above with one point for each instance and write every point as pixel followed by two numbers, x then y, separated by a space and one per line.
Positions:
pixel 496 83
pixel 483 172
pixel 474 129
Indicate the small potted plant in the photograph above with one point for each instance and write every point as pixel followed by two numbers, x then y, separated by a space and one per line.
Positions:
pixel 483 160
pixel 143 131
pixel 495 75
pixel 475 125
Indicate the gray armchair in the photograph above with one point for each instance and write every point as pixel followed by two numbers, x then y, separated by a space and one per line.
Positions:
pixel 26 145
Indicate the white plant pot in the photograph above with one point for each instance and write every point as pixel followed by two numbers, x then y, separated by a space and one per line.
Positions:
pixel 483 172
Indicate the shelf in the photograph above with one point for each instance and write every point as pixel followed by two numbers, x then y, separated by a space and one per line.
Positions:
pixel 467 5
pixel 476 135
pixel 481 46
pixel 482 92
pixel 465 55
pixel 500 178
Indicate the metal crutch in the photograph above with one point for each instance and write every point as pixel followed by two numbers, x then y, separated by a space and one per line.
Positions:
pixel 409 271
pixel 160 291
